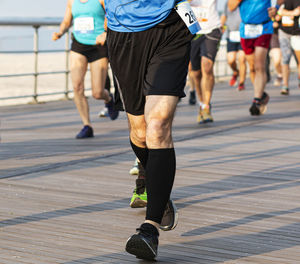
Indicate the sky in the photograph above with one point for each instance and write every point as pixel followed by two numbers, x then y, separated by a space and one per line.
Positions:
pixel 42 8
pixel 32 8
pixel 10 37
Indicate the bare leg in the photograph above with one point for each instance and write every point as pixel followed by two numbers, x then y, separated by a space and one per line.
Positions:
pixel 196 77
pixel 251 61
pixel 243 66
pixel 208 79
pixel 297 53
pixel 98 78
pixel 231 60
pixel 78 70
pixel 260 71
pixel 191 80
pixel 276 57
pixel 286 75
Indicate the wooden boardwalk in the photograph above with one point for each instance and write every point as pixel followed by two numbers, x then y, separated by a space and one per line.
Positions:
pixel 237 186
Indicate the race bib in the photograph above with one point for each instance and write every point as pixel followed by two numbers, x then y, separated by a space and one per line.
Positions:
pixel 235 36
pixel 287 21
pixel 253 31
pixel 186 13
pixel 201 13
pixel 84 25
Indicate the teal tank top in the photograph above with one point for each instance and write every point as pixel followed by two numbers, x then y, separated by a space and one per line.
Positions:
pixel 88 21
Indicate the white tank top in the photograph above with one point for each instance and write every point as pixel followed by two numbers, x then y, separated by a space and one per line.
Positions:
pixel 207 15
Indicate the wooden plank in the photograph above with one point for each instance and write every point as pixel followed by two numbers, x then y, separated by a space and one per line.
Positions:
pixel 237 186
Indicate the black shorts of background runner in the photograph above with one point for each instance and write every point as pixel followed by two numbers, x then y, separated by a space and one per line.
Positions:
pixel 91 52
pixel 207 46
pixel 233 46
pixel 150 62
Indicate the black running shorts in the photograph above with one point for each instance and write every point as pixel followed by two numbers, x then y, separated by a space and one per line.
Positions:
pixel 233 46
pixel 91 52
pixel 206 45
pixel 150 62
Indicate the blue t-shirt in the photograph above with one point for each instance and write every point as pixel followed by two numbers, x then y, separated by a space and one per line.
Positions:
pixel 255 18
pixel 255 11
pixel 138 15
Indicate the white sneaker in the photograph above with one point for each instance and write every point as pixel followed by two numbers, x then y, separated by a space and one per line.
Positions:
pixel 135 169
pixel 103 112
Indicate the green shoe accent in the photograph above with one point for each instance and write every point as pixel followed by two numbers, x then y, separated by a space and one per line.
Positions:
pixel 138 200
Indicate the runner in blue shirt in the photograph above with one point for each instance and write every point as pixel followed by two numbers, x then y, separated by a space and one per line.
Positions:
pixel 256 31
pixel 149 51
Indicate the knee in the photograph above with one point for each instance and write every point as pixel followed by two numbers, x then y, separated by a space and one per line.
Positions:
pixel 98 95
pixel 158 131
pixel 196 74
pixel 78 88
pixel 207 69
pixel 251 68
pixel 138 135
pixel 259 67
pixel 231 60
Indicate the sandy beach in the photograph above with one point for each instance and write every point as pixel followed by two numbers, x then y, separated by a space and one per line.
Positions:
pixel 22 86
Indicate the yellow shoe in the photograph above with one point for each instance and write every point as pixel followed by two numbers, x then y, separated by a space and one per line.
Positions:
pixel 200 117
pixel 206 116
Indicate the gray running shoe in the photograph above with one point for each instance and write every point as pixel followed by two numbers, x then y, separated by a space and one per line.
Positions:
pixel 170 218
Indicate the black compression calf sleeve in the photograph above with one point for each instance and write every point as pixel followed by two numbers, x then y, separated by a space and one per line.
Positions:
pixel 160 173
pixel 141 153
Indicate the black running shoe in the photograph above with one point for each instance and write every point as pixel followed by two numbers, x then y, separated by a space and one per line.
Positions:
pixel 112 113
pixel 170 218
pixel 192 99
pixel 85 132
pixel 259 106
pixel 144 244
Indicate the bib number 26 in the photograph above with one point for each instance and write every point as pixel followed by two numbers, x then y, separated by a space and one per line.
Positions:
pixel 186 13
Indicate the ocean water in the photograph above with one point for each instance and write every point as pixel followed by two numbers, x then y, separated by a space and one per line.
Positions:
pixel 21 38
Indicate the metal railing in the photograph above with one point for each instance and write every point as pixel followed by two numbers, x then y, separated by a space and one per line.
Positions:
pixel 36 24
pixel 221 68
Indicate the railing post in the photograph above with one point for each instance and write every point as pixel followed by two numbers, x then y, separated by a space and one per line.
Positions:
pixel 67 64
pixel 36 53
